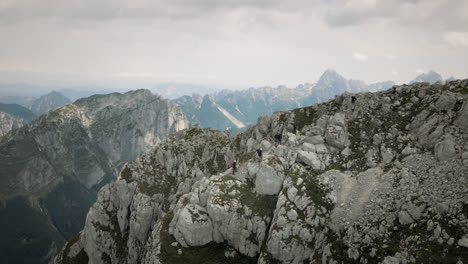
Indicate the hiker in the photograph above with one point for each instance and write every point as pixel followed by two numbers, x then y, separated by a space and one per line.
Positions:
pixel 234 166
pixel 278 138
pixel 259 154
pixel 353 99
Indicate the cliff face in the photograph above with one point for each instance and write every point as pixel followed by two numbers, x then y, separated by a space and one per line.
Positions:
pixel 13 116
pixel 366 178
pixel 54 165
pixel 9 122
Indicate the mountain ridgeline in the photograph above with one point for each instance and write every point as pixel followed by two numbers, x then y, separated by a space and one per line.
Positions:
pixel 363 178
pixel 18 110
pixel 53 167
pixel 235 110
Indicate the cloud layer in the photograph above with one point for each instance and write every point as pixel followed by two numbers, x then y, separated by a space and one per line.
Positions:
pixel 248 42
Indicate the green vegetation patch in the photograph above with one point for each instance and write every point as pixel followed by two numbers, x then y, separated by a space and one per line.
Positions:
pixel 273 161
pixel 262 205
pixel 339 249
pixel 189 134
pixel 316 191
pixel 126 174
pixel 80 258
pixel 247 156
pixel 304 117
pixel 282 118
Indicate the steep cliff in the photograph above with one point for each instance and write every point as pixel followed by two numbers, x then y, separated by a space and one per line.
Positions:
pixel 364 178
pixel 53 167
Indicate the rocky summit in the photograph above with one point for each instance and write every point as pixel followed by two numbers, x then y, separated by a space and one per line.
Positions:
pixel 52 168
pixel 364 178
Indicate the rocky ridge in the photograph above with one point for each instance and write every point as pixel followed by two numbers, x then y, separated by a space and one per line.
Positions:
pixel 364 178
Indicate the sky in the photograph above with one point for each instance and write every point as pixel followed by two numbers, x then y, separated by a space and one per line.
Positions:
pixel 229 43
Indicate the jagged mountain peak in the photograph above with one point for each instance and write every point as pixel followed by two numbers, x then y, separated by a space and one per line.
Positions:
pixel 430 77
pixel 128 100
pixel 49 101
pixel 329 76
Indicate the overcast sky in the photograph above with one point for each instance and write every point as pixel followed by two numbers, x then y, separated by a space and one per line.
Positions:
pixel 243 42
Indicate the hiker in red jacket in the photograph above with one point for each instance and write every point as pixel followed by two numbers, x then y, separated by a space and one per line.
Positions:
pixel 234 166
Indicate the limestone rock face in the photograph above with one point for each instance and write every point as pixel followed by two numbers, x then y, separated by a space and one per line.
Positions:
pixel 268 180
pixel 378 178
pixel 9 122
pixel 445 149
pixel 194 226
pixel 336 131
pixel 309 158
pixel 446 102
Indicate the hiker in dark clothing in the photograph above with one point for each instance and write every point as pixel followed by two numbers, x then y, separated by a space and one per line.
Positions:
pixel 259 154
pixel 234 166
pixel 353 99
pixel 278 138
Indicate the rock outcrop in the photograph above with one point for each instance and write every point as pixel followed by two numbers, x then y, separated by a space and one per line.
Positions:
pixel 55 165
pixel 364 178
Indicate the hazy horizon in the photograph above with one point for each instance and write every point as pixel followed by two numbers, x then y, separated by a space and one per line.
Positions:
pixel 238 44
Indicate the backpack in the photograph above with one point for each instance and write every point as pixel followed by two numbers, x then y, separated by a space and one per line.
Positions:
pixel 232 164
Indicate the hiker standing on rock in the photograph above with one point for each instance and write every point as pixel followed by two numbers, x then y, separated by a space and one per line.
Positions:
pixel 259 154
pixel 234 166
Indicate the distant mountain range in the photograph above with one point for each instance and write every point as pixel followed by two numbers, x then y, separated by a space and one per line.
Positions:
pixel 49 101
pixel 16 111
pixel 228 109
pixel 235 110
pixel 39 105
pixel 430 77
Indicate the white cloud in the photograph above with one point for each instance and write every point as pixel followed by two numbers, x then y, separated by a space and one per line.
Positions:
pixel 360 57
pixel 244 42
pixel 457 39
pixel 424 13
pixel 420 71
